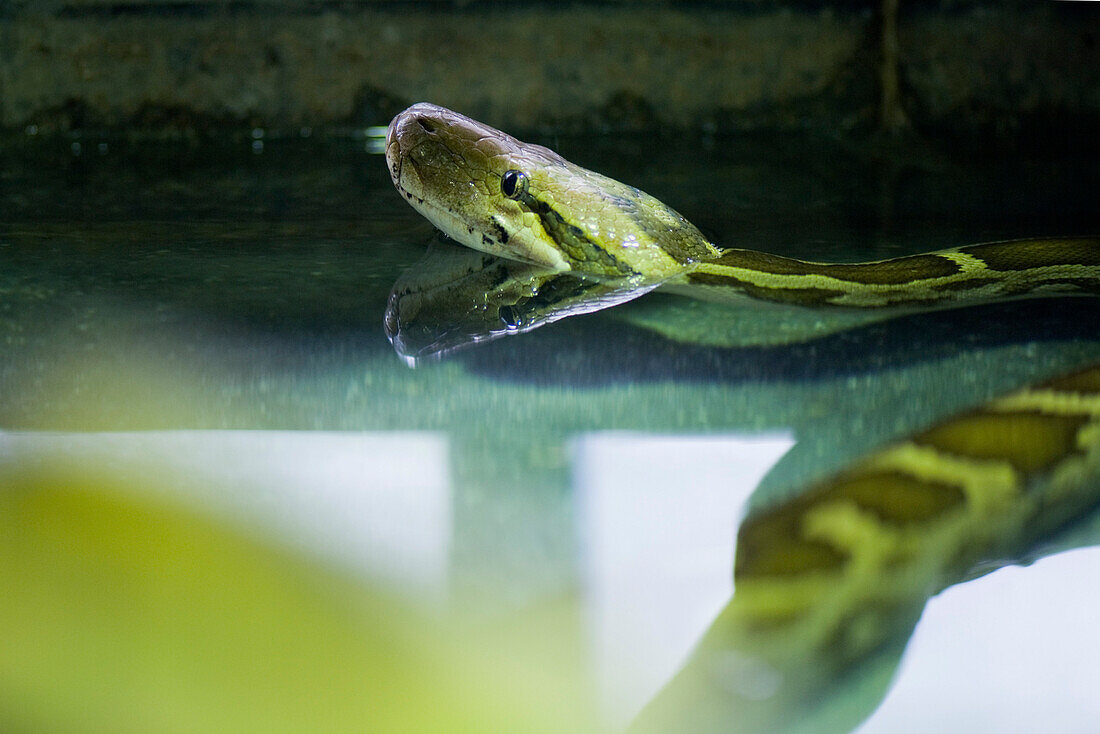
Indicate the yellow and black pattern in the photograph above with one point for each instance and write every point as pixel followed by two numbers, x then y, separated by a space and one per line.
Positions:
pixel 833 565
pixel 986 272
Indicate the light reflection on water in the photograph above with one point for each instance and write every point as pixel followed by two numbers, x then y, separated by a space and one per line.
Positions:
pixel 248 294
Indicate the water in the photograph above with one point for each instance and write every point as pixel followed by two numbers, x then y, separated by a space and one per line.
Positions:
pixel 160 295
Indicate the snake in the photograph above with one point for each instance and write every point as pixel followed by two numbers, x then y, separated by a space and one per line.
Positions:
pixel 491 192
pixel 828 578
pixel 835 572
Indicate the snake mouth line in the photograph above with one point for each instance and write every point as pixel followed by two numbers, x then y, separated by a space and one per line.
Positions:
pixel 393 152
pixel 408 194
pixel 458 229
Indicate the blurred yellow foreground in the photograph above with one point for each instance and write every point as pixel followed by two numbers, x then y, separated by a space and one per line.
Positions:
pixel 124 613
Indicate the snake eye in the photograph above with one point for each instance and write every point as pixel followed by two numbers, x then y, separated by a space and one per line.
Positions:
pixel 513 183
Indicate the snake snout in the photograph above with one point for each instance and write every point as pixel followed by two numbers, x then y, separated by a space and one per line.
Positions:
pixel 393 150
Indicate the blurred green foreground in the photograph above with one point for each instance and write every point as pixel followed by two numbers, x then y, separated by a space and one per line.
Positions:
pixel 125 614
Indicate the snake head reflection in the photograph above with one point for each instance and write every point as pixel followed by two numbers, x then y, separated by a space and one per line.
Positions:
pixel 456 298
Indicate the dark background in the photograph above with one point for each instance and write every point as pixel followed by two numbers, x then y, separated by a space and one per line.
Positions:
pixel 976 75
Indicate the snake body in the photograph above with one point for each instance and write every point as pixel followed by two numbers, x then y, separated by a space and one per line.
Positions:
pixel 494 193
pixel 835 573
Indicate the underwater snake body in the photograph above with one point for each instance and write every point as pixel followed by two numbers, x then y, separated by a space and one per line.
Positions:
pixel 494 193
pixel 963 490
pixel 841 571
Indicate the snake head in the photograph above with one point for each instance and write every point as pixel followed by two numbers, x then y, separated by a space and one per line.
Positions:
pixel 494 193
pixel 450 168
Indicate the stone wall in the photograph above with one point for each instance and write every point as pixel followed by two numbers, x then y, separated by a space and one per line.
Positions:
pixel 585 67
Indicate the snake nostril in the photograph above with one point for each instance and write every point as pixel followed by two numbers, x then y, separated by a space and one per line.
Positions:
pixel 428 127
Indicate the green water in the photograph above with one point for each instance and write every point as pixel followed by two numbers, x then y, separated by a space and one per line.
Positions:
pixel 202 289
